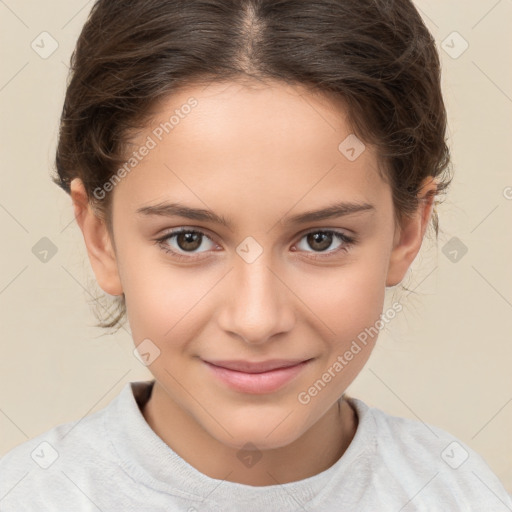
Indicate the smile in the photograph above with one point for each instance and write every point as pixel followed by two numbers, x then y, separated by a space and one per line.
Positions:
pixel 256 377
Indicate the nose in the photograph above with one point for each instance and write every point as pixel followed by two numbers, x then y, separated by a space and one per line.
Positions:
pixel 257 304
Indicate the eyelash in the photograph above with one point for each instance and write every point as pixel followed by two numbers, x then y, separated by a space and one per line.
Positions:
pixel 348 242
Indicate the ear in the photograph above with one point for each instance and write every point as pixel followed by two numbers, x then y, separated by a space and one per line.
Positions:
pixel 97 240
pixel 409 237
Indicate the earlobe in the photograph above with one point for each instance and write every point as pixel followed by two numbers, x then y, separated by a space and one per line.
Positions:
pixel 409 236
pixel 97 240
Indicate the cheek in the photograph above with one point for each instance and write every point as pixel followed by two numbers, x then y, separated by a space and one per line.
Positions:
pixel 347 306
pixel 346 299
pixel 162 300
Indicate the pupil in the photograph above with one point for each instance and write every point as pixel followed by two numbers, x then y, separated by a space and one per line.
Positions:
pixel 315 237
pixel 189 241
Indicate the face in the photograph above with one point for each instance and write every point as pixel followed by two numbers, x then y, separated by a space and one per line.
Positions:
pixel 247 308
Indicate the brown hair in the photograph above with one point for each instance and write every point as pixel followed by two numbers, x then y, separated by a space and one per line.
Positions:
pixel 376 56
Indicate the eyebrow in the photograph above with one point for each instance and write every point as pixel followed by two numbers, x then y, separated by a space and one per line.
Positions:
pixel 335 210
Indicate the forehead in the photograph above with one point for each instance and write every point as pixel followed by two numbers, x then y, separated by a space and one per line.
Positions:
pixel 249 146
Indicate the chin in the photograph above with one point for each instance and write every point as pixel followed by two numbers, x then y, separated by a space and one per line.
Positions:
pixel 265 430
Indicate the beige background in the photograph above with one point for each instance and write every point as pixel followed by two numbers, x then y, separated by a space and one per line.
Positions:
pixel 445 360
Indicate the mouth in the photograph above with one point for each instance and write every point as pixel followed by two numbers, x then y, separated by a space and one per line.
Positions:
pixel 256 377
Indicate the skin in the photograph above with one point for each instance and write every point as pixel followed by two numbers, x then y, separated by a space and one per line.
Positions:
pixel 256 155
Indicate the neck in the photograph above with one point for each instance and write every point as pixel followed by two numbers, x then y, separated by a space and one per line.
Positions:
pixel 315 451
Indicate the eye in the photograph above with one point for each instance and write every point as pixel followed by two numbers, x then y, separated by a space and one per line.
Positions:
pixel 321 240
pixel 186 242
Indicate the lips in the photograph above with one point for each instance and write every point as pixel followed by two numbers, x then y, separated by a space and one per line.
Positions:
pixel 256 367
pixel 256 377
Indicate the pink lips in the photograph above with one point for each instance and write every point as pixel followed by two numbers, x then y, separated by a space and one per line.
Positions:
pixel 256 378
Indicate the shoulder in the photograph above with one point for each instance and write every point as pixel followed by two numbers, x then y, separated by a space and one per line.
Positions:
pixel 44 465
pixel 429 462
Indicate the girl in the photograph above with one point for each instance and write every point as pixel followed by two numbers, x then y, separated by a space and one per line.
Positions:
pixel 249 177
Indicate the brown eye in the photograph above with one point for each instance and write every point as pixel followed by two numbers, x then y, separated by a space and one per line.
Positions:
pixel 320 240
pixel 189 240
pixel 184 243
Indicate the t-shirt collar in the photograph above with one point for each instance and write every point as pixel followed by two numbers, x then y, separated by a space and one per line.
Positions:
pixel 147 458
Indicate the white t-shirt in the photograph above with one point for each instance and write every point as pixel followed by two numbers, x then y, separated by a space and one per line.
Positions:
pixel 112 460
